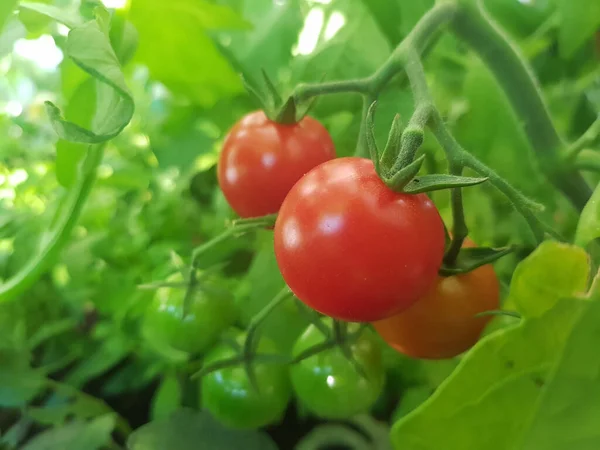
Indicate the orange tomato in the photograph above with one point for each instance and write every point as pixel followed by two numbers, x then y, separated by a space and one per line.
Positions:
pixel 442 324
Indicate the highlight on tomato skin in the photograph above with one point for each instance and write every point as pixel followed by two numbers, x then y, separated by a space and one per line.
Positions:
pixel 261 160
pixel 351 248
pixel 443 324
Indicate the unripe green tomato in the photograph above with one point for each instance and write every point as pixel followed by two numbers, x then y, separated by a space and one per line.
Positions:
pixel 230 397
pixel 328 383
pixel 208 316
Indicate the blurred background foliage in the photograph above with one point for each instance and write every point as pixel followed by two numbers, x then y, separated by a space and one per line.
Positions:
pixel 156 196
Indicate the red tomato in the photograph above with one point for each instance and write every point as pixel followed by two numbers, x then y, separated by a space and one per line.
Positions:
pixel 261 160
pixel 443 324
pixel 353 249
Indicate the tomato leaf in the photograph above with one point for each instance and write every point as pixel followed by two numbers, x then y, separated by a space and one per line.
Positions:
pixel 167 398
pixel 68 17
pixel 496 385
pixel 553 271
pixel 78 435
pixel 6 8
pixel 189 430
pixel 470 258
pixel 579 20
pixel 89 47
pixel 588 227
pixel 428 183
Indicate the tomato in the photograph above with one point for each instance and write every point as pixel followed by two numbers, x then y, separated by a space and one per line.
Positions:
pixel 328 383
pixel 261 160
pixel 353 249
pixel 207 318
pixel 443 324
pixel 230 397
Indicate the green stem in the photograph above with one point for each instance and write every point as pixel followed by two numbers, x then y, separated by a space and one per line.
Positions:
pixel 586 139
pixel 50 249
pixel 473 25
pixel 459 225
pixel 588 160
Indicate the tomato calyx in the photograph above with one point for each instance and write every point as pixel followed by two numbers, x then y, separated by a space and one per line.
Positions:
pixel 471 258
pixel 287 112
pixel 397 166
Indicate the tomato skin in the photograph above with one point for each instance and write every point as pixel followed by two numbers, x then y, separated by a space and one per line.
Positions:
pixel 230 397
pixel 207 318
pixel 329 385
pixel 353 249
pixel 443 324
pixel 261 160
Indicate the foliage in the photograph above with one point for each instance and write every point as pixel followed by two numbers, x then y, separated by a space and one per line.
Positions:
pixel 108 183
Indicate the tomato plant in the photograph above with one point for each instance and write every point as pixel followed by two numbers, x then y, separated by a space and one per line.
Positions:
pixel 262 159
pixel 230 396
pixel 318 183
pixel 351 248
pixel 209 314
pixel 329 384
pixel 444 323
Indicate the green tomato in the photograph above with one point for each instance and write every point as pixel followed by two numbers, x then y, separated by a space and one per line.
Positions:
pixel 230 397
pixel 208 316
pixel 328 383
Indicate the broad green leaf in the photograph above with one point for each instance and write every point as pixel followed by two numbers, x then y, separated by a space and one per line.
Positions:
pixel 6 9
pixel 189 430
pixel 77 435
pixel 568 411
pixel 19 385
pixel 68 17
pixel 166 33
pixel 269 44
pixel 579 20
pixel 588 227
pixel 90 49
pixel 167 398
pixel 495 386
pixel 553 271
pixel 386 14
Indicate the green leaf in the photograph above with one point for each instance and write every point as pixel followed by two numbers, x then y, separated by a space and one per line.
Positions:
pixel 588 227
pixel 167 398
pixel 91 50
pixel 77 435
pixel 470 258
pixel 553 271
pixel 6 9
pixel 68 17
pixel 496 385
pixel 579 20
pixel 428 183
pixel 386 14
pixel 80 109
pixel 189 430
pixel 166 30
pixel 19 385
pixel 568 411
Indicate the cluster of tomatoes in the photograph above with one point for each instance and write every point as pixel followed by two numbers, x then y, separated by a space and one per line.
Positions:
pixel 348 247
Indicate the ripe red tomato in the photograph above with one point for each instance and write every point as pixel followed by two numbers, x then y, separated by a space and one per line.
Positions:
pixel 353 249
pixel 261 160
pixel 443 324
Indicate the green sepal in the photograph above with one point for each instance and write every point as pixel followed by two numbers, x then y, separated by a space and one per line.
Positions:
pixel 470 258
pixel 410 141
pixel 370 137
pixel 257 95
pixel 287 113
pixel 405 176
pixel 272 90
pixel 392 146
pixel 428 183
